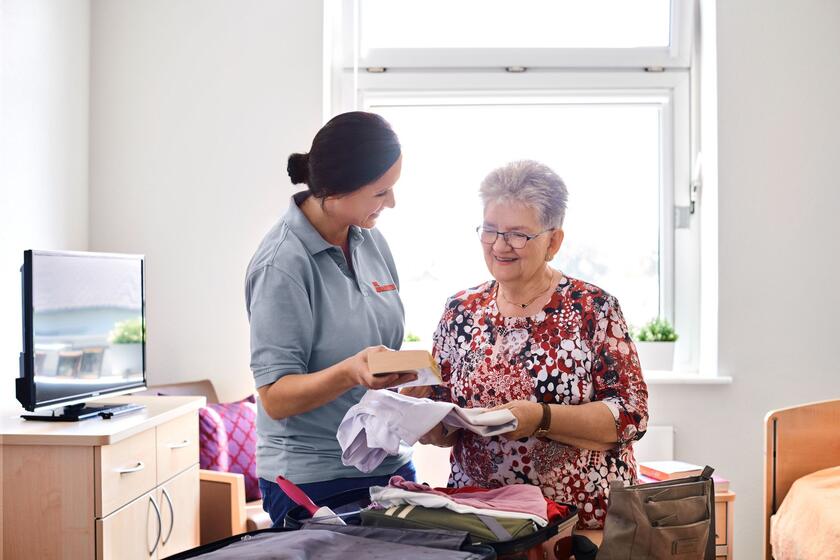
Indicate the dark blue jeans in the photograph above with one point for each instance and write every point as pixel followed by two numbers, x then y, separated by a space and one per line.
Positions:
pixel 278 504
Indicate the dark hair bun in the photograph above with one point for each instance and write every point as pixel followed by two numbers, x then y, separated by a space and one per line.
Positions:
pixel 350 151
pixel 298 168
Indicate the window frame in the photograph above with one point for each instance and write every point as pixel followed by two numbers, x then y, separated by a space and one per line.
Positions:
pixel 676 55
pixel 361 84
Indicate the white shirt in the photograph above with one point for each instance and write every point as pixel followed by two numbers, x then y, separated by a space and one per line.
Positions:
pixel 373 429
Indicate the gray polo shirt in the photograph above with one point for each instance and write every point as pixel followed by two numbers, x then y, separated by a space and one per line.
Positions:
pixel 308 310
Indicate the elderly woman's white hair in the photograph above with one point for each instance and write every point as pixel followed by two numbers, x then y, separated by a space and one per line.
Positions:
pixel 530 183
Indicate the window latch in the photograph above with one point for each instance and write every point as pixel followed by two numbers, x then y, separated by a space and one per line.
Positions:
pixel 696 183
pixel 692 196
pixel 682 214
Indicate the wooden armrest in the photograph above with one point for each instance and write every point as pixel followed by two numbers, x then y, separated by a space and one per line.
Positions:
pixel 223 477
pixel 222 505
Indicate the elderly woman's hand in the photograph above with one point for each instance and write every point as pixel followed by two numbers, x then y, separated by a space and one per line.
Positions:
pixel 528 414
pixel 440 436
pixel 422 392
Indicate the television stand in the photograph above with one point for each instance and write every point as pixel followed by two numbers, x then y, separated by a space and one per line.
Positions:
pixel 76 412
pixel 91 489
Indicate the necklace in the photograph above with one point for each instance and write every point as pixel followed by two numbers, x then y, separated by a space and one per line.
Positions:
pixel 525 305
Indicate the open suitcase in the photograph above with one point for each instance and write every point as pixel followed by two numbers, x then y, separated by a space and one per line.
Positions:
pixel 551 542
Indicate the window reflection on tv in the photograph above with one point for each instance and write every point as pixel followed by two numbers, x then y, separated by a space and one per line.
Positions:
pixel 87 324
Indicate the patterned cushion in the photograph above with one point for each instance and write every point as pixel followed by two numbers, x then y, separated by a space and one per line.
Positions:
pixel 228 441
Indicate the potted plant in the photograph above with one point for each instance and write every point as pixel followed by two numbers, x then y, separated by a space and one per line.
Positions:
pixel 413 342
pixel 655 345
pixel 126 351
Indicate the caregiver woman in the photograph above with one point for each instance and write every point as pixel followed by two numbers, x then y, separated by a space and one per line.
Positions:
pixel 322 294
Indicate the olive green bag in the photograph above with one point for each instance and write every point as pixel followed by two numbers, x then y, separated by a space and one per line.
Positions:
pixel 482 528
pixel 668 520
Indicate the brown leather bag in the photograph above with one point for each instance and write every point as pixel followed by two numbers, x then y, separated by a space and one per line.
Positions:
pixel 672 520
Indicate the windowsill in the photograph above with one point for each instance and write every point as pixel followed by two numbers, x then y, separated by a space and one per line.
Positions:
pixel 659 377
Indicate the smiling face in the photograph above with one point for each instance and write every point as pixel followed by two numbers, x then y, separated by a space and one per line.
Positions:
pixel 363 206
pixel 509 265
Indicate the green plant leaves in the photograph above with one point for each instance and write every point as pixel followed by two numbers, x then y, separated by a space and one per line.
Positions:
pixel 656 330
pixel 129 331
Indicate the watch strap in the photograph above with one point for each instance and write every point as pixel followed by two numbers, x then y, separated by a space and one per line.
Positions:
pixel 545 422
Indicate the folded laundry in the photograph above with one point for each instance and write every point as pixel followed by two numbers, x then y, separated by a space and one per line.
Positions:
pixel 523 498
pixel 372 429
pixel 554 511
pixel 504 497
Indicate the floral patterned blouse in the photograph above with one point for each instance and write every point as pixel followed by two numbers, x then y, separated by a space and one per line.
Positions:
pixel 576 350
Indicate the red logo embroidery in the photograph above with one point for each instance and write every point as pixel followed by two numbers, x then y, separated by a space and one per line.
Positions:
pixel 383 287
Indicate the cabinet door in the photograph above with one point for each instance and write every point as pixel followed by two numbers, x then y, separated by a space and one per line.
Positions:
pixel 178 500
pixel 132 532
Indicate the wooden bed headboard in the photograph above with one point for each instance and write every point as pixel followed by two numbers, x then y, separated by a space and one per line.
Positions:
pixel 798 440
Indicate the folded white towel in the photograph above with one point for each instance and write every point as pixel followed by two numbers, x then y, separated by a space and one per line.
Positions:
pixel 372 429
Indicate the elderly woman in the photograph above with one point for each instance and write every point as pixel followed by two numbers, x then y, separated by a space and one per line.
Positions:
pixel 554 350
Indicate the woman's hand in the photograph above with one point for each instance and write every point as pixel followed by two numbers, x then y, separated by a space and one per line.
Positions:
pixel 423 392
pixel 528 414
pixel 439 436
pixel 359 372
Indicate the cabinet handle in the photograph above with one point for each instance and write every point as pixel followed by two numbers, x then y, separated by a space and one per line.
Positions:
pixel 137 468
pixel 178 445
pixel 171 516
pixel 159 524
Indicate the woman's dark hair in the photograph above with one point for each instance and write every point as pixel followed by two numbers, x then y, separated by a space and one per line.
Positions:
pixel 349 152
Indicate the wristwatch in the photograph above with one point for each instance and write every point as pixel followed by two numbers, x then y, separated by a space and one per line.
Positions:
pixel 545 423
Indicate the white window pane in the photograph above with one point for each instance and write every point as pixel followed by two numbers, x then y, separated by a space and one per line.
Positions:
pixel 608 155
pixel 521 24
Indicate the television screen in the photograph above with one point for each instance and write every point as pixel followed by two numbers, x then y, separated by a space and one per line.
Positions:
pixel 84 326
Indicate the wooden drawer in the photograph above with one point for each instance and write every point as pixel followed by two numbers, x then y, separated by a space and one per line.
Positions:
pixel 721 537
pixel 124 471
pixel 132 532
pixel 177 446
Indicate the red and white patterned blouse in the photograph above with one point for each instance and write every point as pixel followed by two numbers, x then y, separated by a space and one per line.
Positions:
pixel 576 350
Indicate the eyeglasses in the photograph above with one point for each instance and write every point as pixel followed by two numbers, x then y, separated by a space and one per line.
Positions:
pixel 514 239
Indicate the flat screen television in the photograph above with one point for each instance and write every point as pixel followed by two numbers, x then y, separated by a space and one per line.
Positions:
pixel 83 332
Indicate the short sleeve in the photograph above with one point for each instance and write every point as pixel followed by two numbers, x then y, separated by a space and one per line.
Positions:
pixel 281 323
pixel 444 352
pixel 616 374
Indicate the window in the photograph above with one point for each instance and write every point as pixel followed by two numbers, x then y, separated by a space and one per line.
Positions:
pixel 386 24
pixel 618 135
pixel 499 33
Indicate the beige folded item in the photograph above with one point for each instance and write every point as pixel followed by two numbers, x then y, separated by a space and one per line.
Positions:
pixel 384 363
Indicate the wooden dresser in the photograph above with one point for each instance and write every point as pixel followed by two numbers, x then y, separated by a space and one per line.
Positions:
pixel 724 517
pixel 125 488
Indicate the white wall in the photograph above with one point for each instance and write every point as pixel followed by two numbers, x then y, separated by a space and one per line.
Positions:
pixel 43 148
pixel 196 105
pixel 779 197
